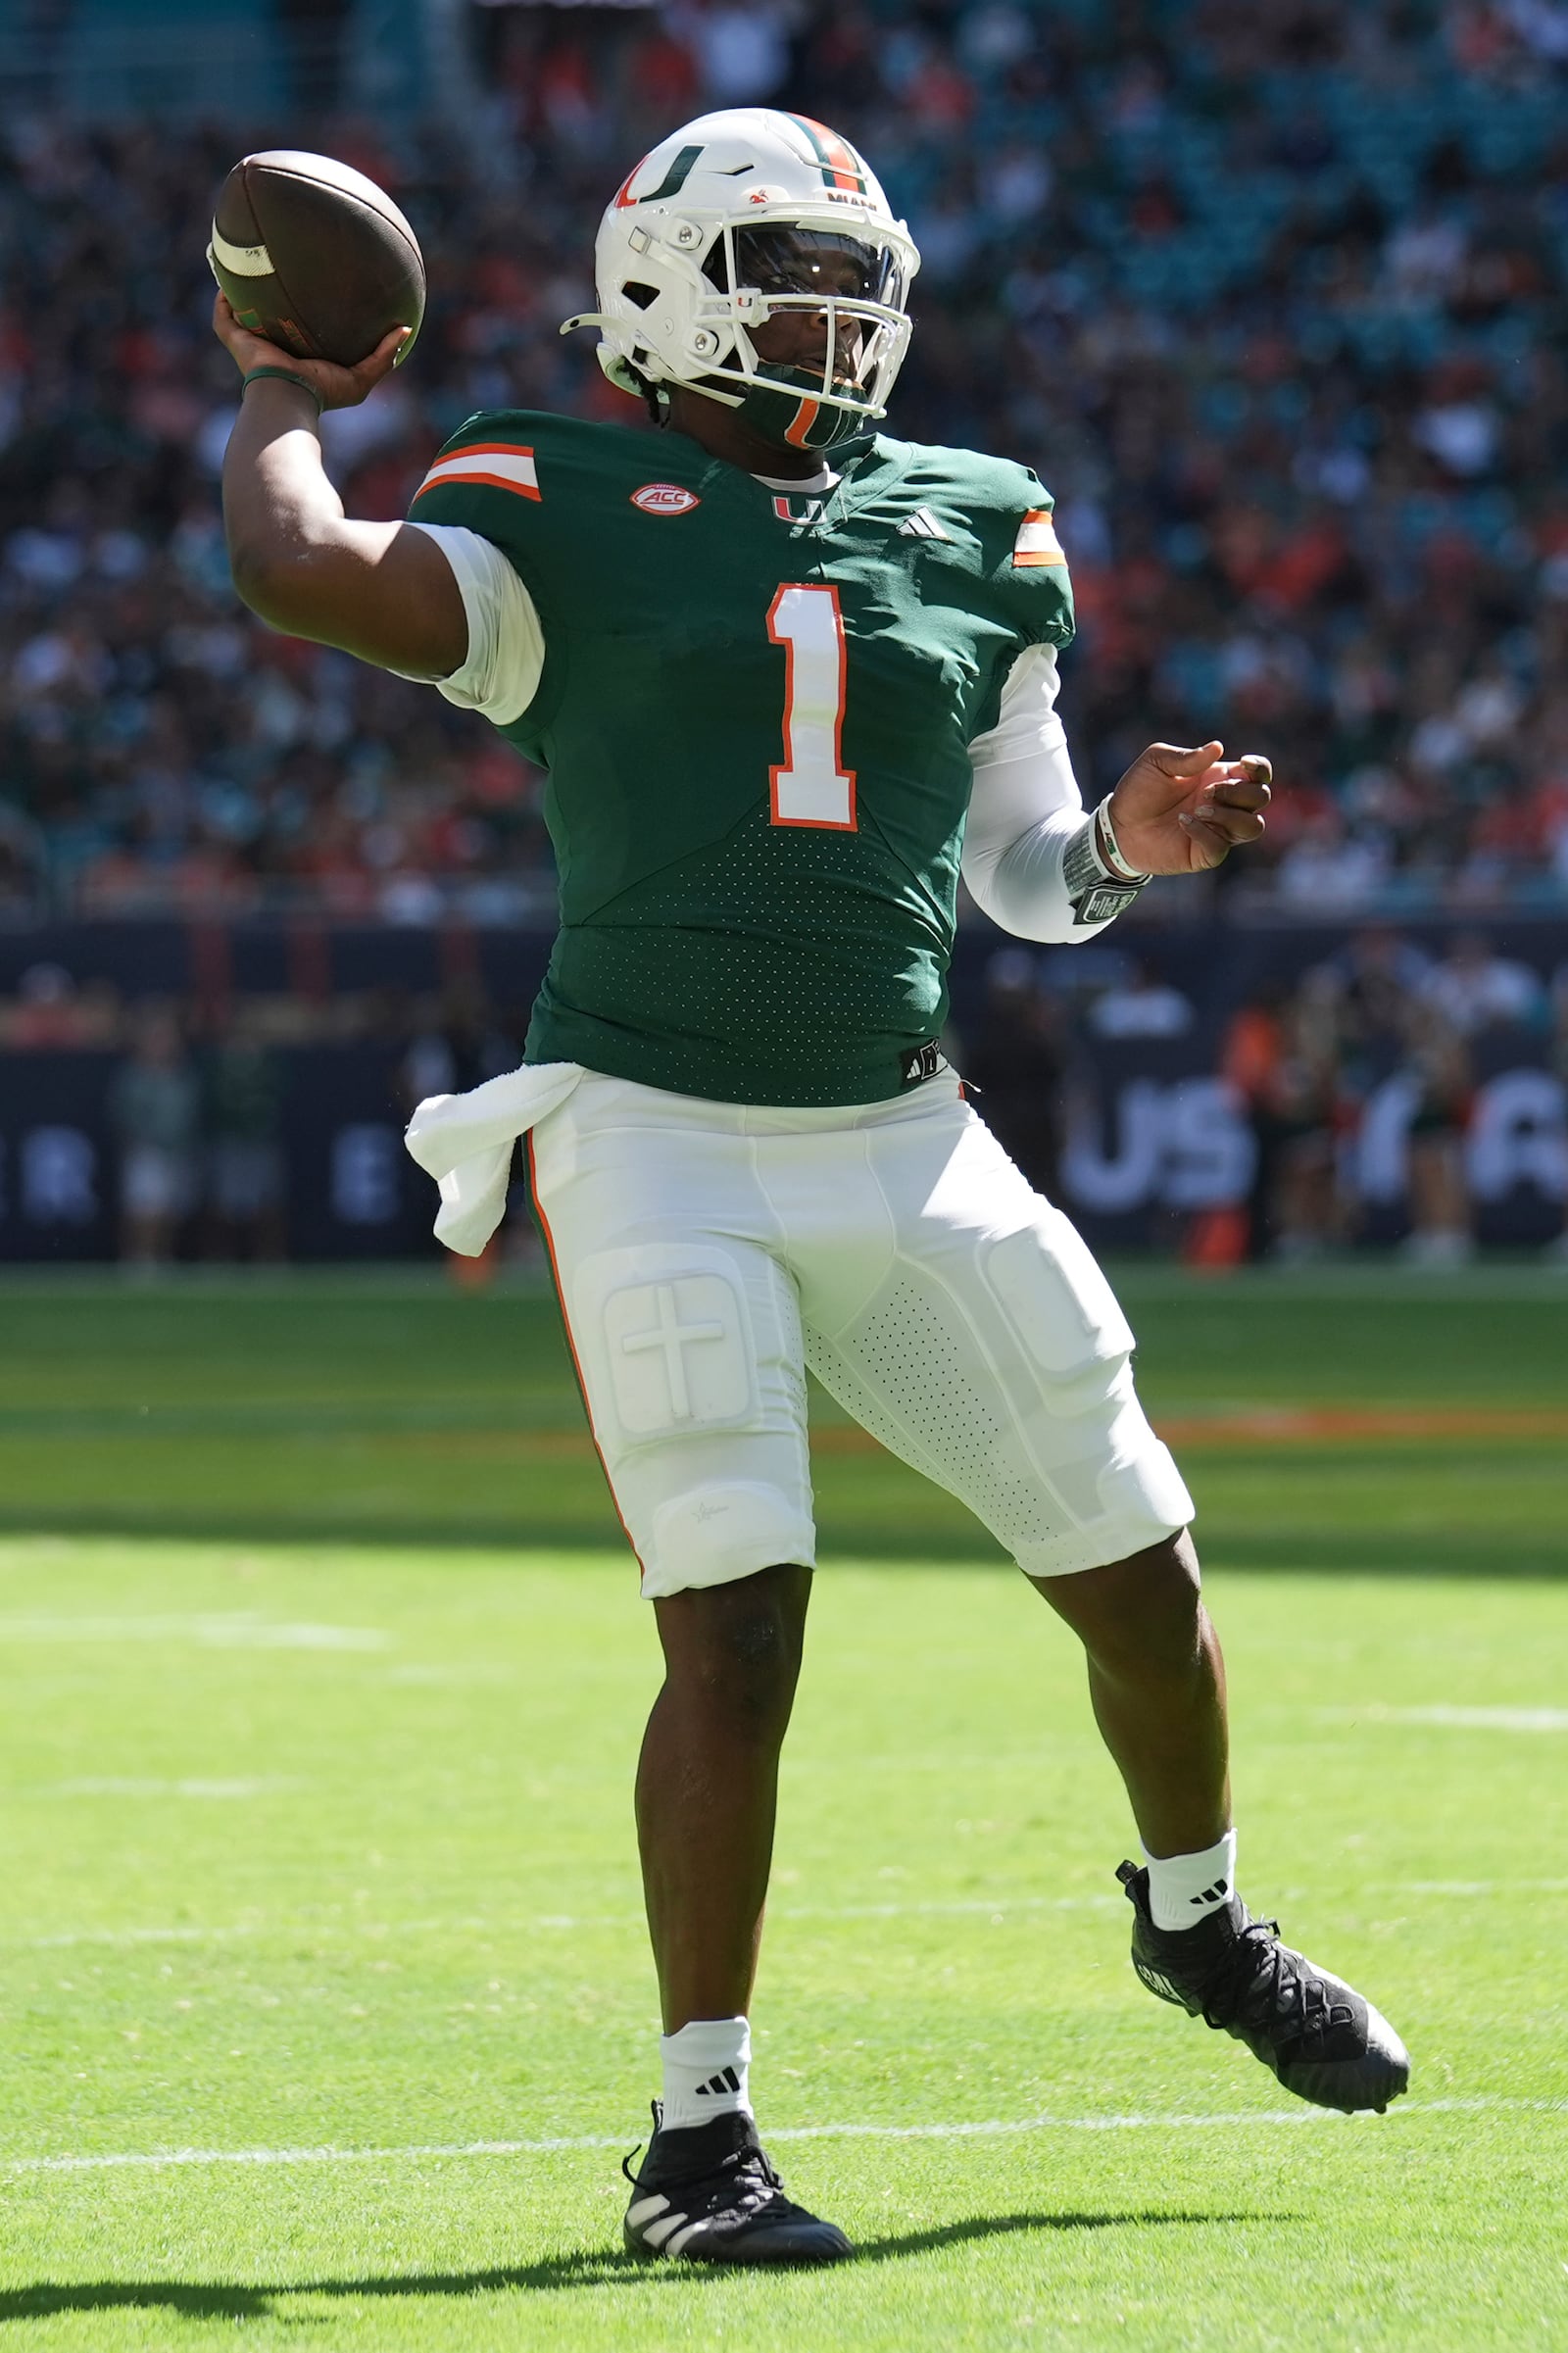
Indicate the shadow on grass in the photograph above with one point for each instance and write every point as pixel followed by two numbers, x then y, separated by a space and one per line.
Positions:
pixel 1390 1552
pixel 1393 1552
pixel 236 2301
pixel 399 1532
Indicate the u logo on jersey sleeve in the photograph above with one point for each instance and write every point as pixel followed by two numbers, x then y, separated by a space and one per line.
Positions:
pixel 1037 542
pixel 491 464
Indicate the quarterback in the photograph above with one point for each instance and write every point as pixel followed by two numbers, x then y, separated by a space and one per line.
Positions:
pixel 789 677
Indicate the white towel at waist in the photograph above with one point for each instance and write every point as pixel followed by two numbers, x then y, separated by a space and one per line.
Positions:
pixel 464 1141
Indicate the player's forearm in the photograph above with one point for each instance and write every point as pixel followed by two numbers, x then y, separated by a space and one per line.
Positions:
pixel 1029 857
pixel 297 560
pixel 1022 884
pixel 377 590
pixel 279 508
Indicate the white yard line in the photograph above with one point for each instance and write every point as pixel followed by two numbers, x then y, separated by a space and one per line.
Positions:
pixel 982 1908
pixel 1486 1887
pixel 120 1936
pixel 277 1786
pixel 1455 1718
pixel 1481 1719
pixel 991 1907
pixel 231 1629
pixel 992 2129
pixel 998 1906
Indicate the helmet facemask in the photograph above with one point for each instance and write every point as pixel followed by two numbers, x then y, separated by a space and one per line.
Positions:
pixel 855 286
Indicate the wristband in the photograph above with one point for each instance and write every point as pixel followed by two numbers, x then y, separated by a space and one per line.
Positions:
pixel 284 375
pixel 1096 889
pixel 1110 848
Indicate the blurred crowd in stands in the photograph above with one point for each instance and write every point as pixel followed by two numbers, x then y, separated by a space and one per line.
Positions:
pixel 1271 292
pixel 1356 1090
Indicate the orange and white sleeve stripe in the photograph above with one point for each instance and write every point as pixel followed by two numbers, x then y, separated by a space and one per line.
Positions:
pixel 489 464
pixel 1037 542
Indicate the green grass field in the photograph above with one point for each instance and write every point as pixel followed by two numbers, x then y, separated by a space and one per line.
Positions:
pixel 326 2002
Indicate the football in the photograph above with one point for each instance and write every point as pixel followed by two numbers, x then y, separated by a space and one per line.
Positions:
pixel 315 256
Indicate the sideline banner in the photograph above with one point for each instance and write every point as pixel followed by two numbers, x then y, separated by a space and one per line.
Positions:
pixel 57 1195
pixel 350 1188
pixel 1151 1135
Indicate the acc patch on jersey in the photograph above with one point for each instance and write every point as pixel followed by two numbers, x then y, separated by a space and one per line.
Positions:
pixel 1036 541
pixel 665 498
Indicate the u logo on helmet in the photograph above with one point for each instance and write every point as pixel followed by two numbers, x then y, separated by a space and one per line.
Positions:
pixel 665 498
pixel 675 179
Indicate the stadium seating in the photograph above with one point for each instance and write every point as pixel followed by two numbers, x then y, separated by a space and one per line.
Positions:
pixel 1266 297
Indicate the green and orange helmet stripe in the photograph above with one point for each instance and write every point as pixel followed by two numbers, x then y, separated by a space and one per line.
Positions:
pixel 842 168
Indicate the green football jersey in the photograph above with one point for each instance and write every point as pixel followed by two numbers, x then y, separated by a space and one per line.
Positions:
pixel 755 710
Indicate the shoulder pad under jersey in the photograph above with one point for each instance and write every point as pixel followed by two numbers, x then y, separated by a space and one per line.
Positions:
pixel 532 482
pixel 1011 513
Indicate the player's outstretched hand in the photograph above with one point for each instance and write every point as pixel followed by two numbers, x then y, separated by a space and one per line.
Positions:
pixel 337 387
pixel 1180 813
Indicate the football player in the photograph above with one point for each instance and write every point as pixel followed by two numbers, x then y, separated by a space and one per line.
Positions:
pixel 788 674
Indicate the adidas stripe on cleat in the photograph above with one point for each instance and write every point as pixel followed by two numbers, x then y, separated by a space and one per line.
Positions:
pixel 706 2193
pixel 1323 2041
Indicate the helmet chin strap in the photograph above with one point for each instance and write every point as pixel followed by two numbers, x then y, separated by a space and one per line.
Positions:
pixel 799 415
pixel 708 390
pixel 792 409
pixel 778 412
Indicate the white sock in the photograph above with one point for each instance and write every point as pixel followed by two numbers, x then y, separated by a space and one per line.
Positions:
pixel 1184 1889
pixel 704 2070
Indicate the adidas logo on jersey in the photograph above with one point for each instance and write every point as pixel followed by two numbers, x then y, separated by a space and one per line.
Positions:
pixel 922 524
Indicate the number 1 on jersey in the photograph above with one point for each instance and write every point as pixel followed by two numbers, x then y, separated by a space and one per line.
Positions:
pixel 812 786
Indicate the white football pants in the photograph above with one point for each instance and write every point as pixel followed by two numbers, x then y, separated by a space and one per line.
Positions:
pixel 706 1252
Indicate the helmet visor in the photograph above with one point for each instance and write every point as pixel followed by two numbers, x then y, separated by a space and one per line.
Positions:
pixel 776 258
pixel 856 287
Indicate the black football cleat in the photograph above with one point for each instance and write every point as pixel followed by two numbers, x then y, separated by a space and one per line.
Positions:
pixel 1323 2041
pixel 706 2193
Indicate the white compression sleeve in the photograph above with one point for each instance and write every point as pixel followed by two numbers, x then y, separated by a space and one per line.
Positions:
pixel 1025 811
pixel 499 675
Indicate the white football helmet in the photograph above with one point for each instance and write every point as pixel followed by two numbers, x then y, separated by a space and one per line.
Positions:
pixel 734 218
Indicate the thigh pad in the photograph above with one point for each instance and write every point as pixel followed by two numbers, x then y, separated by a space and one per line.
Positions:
pixel 665 1337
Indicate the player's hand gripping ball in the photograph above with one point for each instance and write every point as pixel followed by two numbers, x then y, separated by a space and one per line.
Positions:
pixel 315 258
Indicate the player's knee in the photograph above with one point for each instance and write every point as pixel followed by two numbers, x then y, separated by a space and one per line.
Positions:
pixel 757 1661
pixel 729 1570
pixel 1160 1637
pixel 735 1649
pixel 1141 1616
